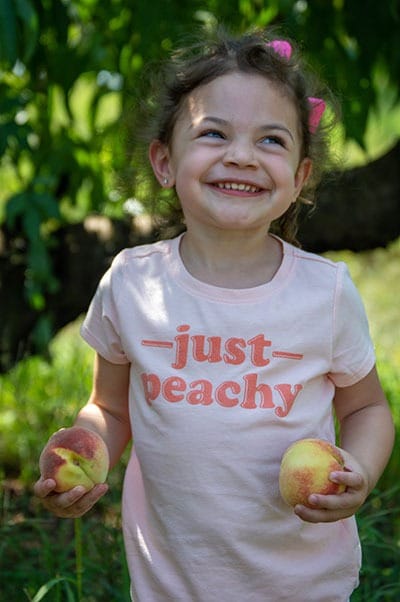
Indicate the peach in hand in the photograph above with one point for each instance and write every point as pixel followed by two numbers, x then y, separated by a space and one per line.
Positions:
pixel 74 456
pixel 305 469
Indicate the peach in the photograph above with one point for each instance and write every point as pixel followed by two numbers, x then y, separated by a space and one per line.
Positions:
pixel 305 469
pixel 74 456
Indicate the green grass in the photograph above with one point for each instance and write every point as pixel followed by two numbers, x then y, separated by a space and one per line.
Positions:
pixel 38 553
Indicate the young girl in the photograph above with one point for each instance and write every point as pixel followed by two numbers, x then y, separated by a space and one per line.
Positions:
pixel 217 349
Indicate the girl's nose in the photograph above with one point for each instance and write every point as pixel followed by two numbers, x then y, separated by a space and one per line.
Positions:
pixel 240 154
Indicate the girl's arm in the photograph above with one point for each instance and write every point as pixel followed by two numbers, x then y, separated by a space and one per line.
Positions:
pixel 107 413
pixel 366 439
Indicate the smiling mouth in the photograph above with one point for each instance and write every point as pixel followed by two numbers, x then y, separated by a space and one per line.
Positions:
pixel 237 186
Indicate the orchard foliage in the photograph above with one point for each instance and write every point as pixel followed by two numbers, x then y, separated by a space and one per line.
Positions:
pixel 69 69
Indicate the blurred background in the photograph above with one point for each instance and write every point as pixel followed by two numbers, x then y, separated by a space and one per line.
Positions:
pixel 70 199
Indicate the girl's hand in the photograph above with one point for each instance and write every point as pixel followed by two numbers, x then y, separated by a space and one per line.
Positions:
pixel 330 508
pixel 70 504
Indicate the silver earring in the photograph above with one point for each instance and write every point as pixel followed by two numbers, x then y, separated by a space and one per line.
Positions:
pixel 165 181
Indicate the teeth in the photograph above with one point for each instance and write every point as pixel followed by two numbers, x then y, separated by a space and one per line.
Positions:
pixel 236 186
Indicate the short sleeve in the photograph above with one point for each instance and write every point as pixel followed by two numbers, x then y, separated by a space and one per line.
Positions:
pixel 100 328
pixel 353 354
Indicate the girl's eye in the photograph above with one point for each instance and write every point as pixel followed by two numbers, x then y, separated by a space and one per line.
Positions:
pixel 274 140
pixel 212 134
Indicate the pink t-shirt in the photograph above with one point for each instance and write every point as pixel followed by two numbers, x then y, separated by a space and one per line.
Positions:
pixel 222 381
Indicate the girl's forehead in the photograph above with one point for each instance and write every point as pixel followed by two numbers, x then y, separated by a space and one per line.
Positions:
pixel 233 82
pixel 236 95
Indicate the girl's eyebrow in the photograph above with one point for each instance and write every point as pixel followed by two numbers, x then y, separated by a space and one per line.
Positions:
pixel 279 127
pixel 223 122
pixel 205 118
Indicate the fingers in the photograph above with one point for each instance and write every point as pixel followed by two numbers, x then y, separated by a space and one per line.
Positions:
pixel 330 508
pixel 44 487
pixel 70 504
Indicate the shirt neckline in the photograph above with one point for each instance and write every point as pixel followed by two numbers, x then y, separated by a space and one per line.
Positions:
pixel 228 295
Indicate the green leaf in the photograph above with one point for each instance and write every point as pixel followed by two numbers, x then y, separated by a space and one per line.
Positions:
pixel 31 223
pixel 44 590
pixel 8 33
pixel 34 208
pixel 30 26
pixel 47 205
pixel 39 262
pixel 7 130
pixel 15 207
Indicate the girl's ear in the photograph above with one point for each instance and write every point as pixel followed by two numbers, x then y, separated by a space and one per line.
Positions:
pixel 159 157
pixel 302 175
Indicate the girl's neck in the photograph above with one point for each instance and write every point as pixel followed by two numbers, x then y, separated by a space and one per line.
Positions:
pixel 237 261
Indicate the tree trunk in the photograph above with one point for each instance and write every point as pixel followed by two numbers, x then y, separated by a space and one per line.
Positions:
pixel 357 209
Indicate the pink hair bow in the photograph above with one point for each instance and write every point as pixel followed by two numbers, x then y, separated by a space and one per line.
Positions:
pixel 318 106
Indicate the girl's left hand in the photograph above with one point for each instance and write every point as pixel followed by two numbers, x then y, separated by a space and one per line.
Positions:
pixel 330 508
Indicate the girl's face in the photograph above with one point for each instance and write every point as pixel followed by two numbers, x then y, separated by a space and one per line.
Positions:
pixel 235 154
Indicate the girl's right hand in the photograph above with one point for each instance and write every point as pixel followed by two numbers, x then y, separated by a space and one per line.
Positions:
pixel 70 504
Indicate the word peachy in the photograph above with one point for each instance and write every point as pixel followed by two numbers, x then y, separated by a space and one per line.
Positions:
pixel 250 392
